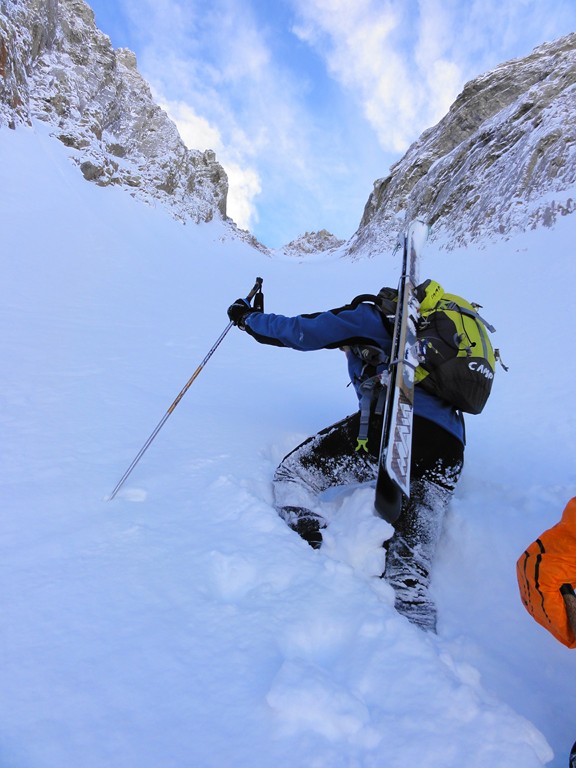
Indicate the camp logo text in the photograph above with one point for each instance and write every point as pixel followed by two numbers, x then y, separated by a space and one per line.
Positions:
pixel 481 368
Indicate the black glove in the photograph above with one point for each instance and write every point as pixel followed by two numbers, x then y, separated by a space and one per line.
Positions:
pixel 239 311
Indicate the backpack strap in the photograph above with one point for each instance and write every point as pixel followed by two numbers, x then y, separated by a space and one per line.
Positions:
pixel 370 298
pixel 469 313
pixel 367 389
pixel 370 355
pixel 385 302
pixel 454 307
pixel 499 358
pixel 372 389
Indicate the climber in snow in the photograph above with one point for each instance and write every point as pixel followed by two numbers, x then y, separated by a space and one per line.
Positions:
pixel 330 458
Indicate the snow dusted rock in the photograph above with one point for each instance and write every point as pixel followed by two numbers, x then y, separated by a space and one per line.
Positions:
pixel 56 66
pixel 15 49
pixel 502 160
pixel 313 242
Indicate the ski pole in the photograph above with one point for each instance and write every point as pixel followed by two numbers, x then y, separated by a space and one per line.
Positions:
pixel 567 592
pixel 256 290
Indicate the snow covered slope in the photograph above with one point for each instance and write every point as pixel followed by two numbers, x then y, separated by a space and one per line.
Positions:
pixel 183 624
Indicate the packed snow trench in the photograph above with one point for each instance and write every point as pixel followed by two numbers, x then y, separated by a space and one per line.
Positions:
pixel 183 625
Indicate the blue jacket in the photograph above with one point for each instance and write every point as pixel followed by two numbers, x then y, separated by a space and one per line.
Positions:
pixel 348 326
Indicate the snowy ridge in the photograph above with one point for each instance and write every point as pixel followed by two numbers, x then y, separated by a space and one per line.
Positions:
pixel 503 160
pixel 184 624
pixel 58 67
pixel 321 242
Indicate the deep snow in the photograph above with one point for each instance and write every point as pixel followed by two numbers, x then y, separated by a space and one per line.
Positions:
pixel 183 624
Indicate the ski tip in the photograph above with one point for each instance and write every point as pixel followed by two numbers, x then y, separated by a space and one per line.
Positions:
pixel 419 228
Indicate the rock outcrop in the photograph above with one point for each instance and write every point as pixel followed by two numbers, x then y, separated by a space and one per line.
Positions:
pixel 313 242
pixel 502 160
pixel 58 67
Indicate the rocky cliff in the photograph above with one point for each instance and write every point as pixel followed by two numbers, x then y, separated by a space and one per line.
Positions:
pixel 56 66
pixel 312 242
pixel 502 160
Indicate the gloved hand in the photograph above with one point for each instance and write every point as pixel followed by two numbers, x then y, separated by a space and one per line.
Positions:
pixel 238 312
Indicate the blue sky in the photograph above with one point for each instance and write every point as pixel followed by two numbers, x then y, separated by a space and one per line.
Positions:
pixel 308 102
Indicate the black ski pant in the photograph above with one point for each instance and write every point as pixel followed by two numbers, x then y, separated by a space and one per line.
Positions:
pixel 329 459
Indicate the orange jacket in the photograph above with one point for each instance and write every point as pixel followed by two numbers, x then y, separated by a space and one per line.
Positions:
pixel 548 563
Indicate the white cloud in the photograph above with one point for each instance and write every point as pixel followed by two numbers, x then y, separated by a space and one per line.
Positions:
pixel 405 61
pixel 245 186
pixel 403 83
pixel 196 131
pixel 226 90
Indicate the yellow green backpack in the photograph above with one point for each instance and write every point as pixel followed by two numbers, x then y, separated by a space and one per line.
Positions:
pixel 457 360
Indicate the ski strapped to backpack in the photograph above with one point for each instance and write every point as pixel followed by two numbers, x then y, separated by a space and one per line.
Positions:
pixel 395 454
pixel 456 359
